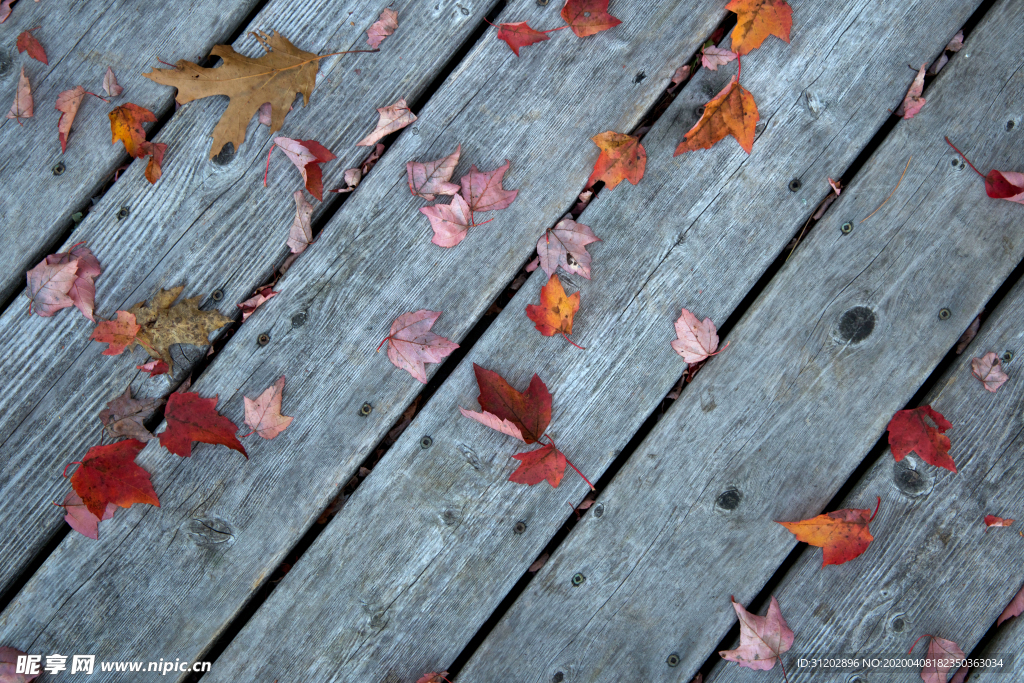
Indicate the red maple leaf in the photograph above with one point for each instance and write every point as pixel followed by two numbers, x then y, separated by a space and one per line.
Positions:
pixel 108 474
pixel 263 414
pixel 843 534
pixel 154 367
pixel 28 43
pixel 190 417
pixel 622 158
pixel 118 334
pixel 921 430
pixel 758 19
pixel 556 310
pixel 587 17
pixel 520 34
pixel 547 462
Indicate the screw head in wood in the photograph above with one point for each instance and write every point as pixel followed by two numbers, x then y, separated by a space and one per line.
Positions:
pixel 1008 356
pixel 263 339
pixel 673 659
pixel 59 168
pixel 578 579
pixel 542 3
pixel 299 319
pixel 795 184
pixel 557 678
pixel 520 527
pixel 699 111
pixel 944 314
pixel 599 510
pixel 365 409
pixel 846 228
pixel 217 295
pixel 123 212
pixel 1010 124
pixel 426 442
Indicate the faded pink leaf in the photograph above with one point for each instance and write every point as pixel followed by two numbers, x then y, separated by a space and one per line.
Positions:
pixel 957 42
pixel 1013 609
pixel 913 101
pixel 837 186
pixel 565 245
pixel 49 285
pixel 5 11
pixel 301 234
pixel 450 222
pixel 81 520
pixel 263 415
pixel 940 651
pixel 494 422
pixel 83 289
pixel 392 118
pixel 680 75
pixel 989 370
pixel 541 561
pixel 250 305
pixel 714 57
pixel 382 28
pixel 937 65
pixel 696 340
pixel 24 105
pixel 68 103
pixel 307 155
pixel 433 177
pixel 483 191
pixel 968 335
pixel 411 343
pixel 110 84
pixel 762 639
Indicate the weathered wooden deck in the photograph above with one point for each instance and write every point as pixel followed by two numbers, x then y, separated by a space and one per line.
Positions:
pixel 422 568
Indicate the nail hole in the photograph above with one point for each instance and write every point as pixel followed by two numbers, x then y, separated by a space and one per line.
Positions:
pixel 557 678
pixel 59 168
pixel 263 339
pixel 1008 356
pixel 520 528
pixel 365 409
pixel 846 228
pixel 1010 124
pixel 699 111
pixel 217 295
pixel 123 212
pixel 944 314
pixel 795 184
pixel 578 579
pixel 673 659
pixel 298 320
pixel 426 442
pixel 759 128
pixel 415 131
pixel 898 625
pixel 640 76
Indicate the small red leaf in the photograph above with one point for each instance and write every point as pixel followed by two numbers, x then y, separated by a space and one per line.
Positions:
pixel 921 430
pixel 529 411
pixel 992 520
pixel 520 35
pixel 28 43
pixel 118 334
pixel 545 463
pixel 587 17
pixel 154 367
pixel 190 417
pixel 108 474
pixel 843 534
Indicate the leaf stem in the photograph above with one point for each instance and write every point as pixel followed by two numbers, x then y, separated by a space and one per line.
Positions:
pixel 878 505
pixel 477 225
pixel 382 343
pixel 555 29
pixel 896 188
pixel 569 462
pixel 65 472
pixel 582 348
pixel 926 635
pixel 963 157
pixel 267 172
pixel 739 70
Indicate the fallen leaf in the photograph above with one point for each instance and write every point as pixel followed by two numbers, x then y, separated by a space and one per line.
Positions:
pixel 83 289
pixel 541 561
pixel 942 654
pixel 913 101
pixel 961 675
pixel 968 335
pixel 371 160
pixel 731 112
pixel 250 305
pixel 545 463
pixel 117 333
pixel 432 178
pixel 24 105
pixel 307 155
pixel 108 474
pixel 992 520
pixel 154 367
pixel 155 151
pixel 274 77
pixel 433 678
pixel 5 11
pixel 301 234
pixel 124 416
pixel 957 42
pixel 126 125
pixel 681 74
pixel 520 34
pixel 937 65
pixel 836 186
pixel 110 85
pixel 587 17
pixel 999 185
pixel 28 43
pixel 411 343
pixel 989 371
pixel 695 340
pixel 758 19
pixel 450 222
pixel 49 285
pixel 1014 608
pixel 263 415
pixel 762 639
pixel 392 118
pixel 529 411
pixel 843 534
pixel 163 325
pixel 921 430
pixel 9 655
pixel 556 310
pixel 622 157
pixel 68 103
pixel 190 417
pixel 714 57
pixel 382 28
pixel 79 518
pixel 484 191
pixel 565 246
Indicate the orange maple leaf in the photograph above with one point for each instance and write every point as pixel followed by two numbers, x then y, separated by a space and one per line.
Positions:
pixel 843 534
pixel 622 158
pixel 554 314
pixel 758 19
pixel 126 125
pixel 731 112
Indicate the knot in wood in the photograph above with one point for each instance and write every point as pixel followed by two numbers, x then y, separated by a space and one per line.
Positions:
pixel 208 532
pixel 856 324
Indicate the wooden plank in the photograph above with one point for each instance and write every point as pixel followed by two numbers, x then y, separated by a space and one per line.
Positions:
pixel 787 412
pixel 208 224
pixel 426 548
pixel 81 41
pixel 932 567
pixel 373 262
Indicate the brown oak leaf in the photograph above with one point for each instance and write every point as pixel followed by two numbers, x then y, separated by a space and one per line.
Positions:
pixel 163 324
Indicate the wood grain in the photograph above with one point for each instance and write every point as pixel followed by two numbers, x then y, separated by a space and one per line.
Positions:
pixel 81 40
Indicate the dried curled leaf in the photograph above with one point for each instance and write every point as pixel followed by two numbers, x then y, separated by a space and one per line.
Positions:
pixel 124 416
pixel 110 85
pixel 731 112
pixel 758 19
pixel 913 102
pixel 162 324
pixel 300 235
pixel 382 28
pixel 394 117
pixel 432 178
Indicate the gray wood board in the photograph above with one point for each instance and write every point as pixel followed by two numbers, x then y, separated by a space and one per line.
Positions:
pixel 933 568
pixel 787 412
pixel 206 224
pixel 81 40
pixel 425 549
pixel 373 262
